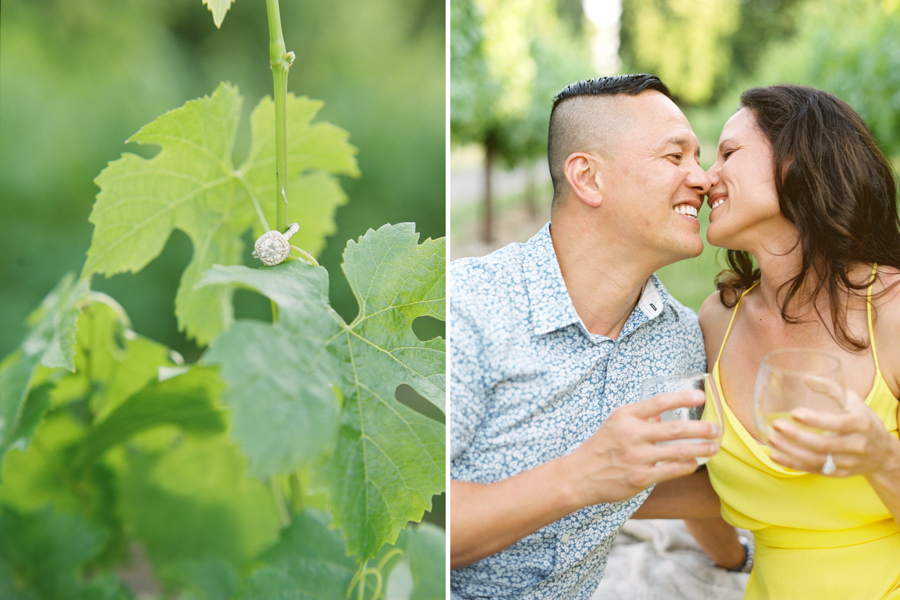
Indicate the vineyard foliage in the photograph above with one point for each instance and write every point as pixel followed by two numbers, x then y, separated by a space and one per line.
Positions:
pixel 281 463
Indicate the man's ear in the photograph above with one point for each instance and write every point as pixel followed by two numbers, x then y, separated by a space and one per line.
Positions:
pixel 583 174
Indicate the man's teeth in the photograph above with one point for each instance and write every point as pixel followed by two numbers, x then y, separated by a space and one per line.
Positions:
pixel 686 209
pixel 717 202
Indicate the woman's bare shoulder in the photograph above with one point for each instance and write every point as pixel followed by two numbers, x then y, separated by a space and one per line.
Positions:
pixel 712 311
pixel 714 317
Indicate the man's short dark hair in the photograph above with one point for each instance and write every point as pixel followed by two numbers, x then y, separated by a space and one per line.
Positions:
pixel 610 86
pixel 565 129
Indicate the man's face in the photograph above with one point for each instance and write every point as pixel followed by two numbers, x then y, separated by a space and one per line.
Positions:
pixel 653 182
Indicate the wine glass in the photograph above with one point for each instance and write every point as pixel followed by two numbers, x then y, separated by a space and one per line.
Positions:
pixel 710 411
pixel 792 378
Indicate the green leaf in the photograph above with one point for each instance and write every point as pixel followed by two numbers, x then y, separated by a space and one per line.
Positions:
pixel 43 475
pixel 309 563
pixel 208 578
pixel 396 280
pixel 37 476
pixel 218 8
pixel 279 377
pixel 389 460
pixel 192 185
pixel 191 501
pixel 50 343
pixel 112 362
pixel 426 554
pixel 46 550
pixel 187 401
pixel 52 334
pixel 417 571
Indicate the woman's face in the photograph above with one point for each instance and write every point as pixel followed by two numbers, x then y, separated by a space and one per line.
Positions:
pixel 744 204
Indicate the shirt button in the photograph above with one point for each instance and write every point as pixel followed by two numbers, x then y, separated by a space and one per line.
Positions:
pixel 565 538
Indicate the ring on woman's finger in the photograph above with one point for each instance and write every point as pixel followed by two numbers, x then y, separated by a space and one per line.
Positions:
pixel 829 467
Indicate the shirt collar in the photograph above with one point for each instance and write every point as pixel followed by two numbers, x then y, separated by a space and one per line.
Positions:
pixel 551 306
pixel 653 297
pixel 549 300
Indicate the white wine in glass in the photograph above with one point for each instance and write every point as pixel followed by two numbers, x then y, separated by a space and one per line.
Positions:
pixel 792 378
pixel 710 411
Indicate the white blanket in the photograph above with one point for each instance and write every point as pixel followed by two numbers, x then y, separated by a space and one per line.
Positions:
pixel 659 560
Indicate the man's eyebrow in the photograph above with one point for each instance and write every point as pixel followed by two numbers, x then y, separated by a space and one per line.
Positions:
pixel 679 139
pixel 682 140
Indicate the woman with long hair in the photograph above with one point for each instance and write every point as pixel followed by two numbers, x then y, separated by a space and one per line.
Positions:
pixel 805 203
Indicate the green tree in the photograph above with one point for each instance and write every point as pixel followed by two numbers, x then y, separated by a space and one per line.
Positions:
pixel 851 49
pixel 508 58
pixel 699 47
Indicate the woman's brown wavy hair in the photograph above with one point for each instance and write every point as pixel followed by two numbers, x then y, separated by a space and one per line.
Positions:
pixel 837 188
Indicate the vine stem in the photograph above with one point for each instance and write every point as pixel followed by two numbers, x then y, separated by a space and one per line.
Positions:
pixel 280 60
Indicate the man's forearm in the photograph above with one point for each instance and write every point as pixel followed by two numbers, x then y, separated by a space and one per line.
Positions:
pixel 486 518
pixel 619 460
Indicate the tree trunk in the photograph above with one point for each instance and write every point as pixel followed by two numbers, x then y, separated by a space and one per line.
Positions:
pixel 531 192
pixel 487 223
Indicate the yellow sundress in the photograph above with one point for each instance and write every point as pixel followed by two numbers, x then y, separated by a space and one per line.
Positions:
pixel 817 537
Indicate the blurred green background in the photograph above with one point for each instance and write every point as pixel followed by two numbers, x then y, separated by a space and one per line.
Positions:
pixel 78 78
pixel 707 52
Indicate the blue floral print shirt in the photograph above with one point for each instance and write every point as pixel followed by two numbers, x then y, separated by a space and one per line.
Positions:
pixel 528 384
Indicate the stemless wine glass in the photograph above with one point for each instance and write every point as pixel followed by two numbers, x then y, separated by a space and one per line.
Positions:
pixel 793 378
pixel 710 411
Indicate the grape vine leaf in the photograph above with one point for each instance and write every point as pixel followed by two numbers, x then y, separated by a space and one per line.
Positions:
pixel 284 408
pixel 45 551
pixel 424 546
pixel 49 343
pixel 192 185
pixel 220 512
pixel 388 460
pixel 112 362
pixel 187 400
pixel 218 8
pixel 209 578
pixel 309 562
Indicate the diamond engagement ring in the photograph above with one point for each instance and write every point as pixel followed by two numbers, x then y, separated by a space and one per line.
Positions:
pixel 829 467
pixel 273 247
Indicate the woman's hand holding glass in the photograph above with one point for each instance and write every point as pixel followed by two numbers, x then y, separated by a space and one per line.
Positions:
pixel 810 422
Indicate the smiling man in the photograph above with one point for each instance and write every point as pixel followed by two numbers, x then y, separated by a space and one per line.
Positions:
pixel 551 448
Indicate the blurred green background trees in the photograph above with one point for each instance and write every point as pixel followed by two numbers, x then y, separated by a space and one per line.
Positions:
pixel 78 78
pixel 508 58
pixel 707 52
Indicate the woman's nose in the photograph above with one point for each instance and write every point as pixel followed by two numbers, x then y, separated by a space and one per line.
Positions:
pixel 713 174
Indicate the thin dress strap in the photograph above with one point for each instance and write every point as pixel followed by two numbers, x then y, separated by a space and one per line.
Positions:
pixel 869 316
pixel 731 322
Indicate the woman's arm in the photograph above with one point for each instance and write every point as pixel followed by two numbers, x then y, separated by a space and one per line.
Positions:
pixel 693 499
